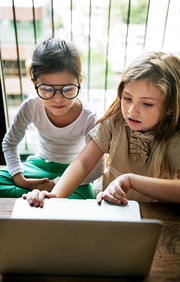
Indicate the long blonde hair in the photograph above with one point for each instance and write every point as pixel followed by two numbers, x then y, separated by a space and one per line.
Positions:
pixel 163 70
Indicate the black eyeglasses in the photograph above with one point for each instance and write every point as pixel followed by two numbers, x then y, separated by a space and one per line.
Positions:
pixel 46 91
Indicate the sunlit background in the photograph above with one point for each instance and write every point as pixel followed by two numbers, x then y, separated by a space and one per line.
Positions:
pixel 109 33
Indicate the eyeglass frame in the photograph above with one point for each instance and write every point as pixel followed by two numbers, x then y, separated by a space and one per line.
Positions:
pixel 63 85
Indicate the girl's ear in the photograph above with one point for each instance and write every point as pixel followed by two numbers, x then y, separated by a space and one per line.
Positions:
pixel 33 81
pixel 80 81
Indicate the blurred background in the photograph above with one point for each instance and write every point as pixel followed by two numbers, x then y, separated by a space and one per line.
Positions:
pixel 109 33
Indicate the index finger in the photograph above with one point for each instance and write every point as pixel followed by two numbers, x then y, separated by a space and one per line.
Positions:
pixel 33 198
pixel 99 197
pixel 42 195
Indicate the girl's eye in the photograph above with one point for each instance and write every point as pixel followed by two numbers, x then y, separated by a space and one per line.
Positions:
pixel 48 89
pixel 127 99
pixel 66 89
pixel 147 105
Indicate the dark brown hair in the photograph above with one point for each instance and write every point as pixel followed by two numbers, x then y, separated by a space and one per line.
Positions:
pixel 53 56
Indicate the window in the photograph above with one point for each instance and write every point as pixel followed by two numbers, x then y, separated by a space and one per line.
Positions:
pixel 110 34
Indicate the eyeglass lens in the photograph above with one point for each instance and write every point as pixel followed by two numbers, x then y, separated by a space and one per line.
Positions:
pixel 47 91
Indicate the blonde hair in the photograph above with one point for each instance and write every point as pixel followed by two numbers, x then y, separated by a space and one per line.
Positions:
pixel 163 70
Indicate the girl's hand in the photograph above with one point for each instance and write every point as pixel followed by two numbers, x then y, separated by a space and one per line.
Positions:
pixel 116 191
pixel 32 183
pixel 36 198
pixel 48 186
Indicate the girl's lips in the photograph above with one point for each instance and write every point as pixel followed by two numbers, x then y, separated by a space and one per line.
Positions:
pixel 134 121
pixel 59 107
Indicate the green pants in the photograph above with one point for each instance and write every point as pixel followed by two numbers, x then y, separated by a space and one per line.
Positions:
pixel 36 167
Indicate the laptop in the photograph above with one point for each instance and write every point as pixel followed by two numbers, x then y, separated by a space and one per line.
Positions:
pixel 77 210
pixel 68 244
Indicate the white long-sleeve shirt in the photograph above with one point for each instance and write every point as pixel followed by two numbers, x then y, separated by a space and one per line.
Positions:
pixel 55 144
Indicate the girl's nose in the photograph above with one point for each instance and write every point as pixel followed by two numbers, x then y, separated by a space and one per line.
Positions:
pixel 58 95
pixel 133 110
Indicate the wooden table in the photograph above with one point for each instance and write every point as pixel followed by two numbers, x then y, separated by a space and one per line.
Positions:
pixel 166 263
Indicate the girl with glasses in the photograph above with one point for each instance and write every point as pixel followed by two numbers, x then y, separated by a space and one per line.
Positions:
pixel 62 121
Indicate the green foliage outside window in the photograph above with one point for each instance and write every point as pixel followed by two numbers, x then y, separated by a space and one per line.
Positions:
pixel 138 11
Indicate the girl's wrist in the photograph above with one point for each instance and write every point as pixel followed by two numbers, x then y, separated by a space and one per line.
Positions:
pixel 56 180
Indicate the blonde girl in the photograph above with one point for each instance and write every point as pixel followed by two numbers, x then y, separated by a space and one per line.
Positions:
pixel 140 132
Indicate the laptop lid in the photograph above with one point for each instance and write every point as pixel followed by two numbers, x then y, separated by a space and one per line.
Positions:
pixel 77 247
